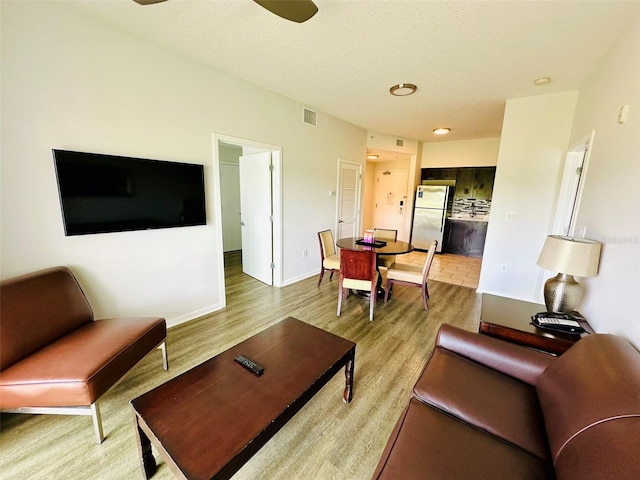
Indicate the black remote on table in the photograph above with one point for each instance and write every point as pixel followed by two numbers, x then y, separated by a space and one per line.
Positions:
pixel 249 365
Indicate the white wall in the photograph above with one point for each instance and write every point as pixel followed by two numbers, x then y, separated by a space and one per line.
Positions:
pixel 71 82
pixel 610 207
pixel 389 143
pixel 481 152
pixel 535 135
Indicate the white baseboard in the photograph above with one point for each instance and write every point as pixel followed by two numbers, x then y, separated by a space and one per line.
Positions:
pixel 172 322
pixel 304 276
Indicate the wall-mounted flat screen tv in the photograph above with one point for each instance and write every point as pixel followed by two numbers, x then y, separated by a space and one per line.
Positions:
pixel 107 193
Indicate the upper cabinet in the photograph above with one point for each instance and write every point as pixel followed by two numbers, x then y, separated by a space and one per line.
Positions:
pixel 470 182
pixel 464 182
pixel 438 174
pixel 483 188
pixel 475 182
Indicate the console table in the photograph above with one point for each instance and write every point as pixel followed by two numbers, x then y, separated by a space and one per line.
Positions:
pixel 510 319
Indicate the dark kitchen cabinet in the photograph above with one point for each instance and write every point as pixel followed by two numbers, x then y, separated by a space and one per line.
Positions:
pixel 438 174
pixel 475 182
pixel 464 182
pixel 483 186
pixel 464 237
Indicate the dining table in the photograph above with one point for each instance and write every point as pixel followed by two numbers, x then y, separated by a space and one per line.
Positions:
pixel 381 247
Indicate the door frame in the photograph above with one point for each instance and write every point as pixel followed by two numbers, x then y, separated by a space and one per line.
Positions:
pixel 276 197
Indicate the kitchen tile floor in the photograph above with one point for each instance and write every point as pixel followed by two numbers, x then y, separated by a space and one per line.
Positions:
pixel 448 268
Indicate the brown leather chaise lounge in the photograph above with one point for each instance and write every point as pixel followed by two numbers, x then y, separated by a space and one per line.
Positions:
pixel 54 357
pixel 485 409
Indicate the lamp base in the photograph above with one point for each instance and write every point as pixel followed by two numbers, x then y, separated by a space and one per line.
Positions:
pixel 562 293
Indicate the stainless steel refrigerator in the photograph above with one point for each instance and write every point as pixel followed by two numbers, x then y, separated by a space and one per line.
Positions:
pixel 429 215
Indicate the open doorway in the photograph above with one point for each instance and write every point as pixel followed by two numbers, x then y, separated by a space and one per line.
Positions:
pixel 571 187
pixel 390 196
pixel 261 245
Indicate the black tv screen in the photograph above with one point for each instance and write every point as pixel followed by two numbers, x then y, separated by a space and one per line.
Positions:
pixel 107 193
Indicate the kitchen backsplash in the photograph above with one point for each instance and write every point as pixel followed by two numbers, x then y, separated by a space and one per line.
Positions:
pixel 464 205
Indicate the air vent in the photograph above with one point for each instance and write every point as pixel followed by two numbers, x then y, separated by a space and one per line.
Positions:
pixel 310 117
pixel 399 143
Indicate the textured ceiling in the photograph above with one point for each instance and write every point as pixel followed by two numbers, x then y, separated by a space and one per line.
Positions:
pixel 467 57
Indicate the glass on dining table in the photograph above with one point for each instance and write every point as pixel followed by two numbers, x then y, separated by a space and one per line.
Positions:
pixel 369 236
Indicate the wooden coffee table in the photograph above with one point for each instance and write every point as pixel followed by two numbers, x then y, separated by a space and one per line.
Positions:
pixel 209 421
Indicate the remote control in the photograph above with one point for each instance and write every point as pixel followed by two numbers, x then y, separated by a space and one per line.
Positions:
pixel 249 365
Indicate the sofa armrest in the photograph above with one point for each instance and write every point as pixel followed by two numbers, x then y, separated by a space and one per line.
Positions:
pixel 517 361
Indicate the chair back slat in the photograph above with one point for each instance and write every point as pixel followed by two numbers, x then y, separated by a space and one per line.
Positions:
pixel 327 243
pixel 385 234
pixel 358 264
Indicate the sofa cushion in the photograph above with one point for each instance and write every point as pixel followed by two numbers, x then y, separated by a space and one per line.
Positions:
pixel 37 309
pixel 485 398
pixel 596 380
pixel 78 368
pixel 430 444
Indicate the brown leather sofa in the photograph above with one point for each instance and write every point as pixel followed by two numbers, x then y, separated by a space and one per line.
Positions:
pixel 484 409
pixel 54 358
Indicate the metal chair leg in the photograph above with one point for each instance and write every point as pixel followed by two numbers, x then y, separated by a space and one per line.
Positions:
pixel 165 359
pixel 97 422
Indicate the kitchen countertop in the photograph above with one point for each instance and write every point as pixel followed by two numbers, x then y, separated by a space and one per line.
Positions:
pixel 467 218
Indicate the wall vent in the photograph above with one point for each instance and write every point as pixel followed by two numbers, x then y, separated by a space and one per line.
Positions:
pixel 310 117
pixel 399 142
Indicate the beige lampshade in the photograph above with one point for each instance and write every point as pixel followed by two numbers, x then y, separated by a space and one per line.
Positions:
pixel 571 256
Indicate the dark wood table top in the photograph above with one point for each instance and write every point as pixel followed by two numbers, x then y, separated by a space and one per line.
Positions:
pixel 391 248
pixel 210 420
pixel 510 319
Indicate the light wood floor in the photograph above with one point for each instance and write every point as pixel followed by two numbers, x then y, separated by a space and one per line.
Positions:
pixel 448 268
pixel 327 439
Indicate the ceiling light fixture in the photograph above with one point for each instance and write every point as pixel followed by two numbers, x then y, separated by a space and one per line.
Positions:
pixel 403 89
pixel 542 81
pixel 441 130
pixel 372 157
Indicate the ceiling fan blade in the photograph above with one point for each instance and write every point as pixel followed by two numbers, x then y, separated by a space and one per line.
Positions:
pixel 148 2
pixel 295 10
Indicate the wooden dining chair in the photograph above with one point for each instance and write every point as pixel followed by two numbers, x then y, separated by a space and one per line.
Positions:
pixel 389 235
pixel 411 275
pixel 329 257
pixel 358 272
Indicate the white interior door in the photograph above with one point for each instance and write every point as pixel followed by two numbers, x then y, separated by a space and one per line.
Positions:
pixel 391 200
pixel 571 187
pixel 256 216
pixel 349 180
pixel 230 203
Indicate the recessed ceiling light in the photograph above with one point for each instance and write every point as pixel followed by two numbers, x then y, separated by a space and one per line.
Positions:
pixel 372 157
pixel 542 81
pixel 403 89
pixel 441 131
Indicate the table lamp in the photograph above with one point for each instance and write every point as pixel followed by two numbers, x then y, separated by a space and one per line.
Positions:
pixel 568 256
